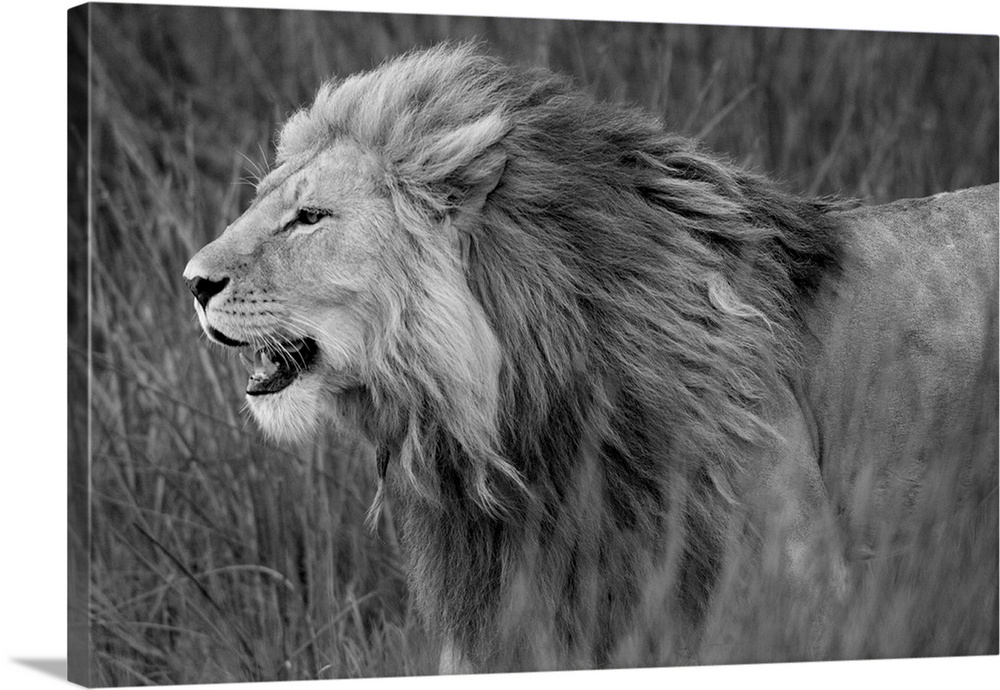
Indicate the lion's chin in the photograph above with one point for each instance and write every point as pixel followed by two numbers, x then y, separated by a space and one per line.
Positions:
pixel 292 414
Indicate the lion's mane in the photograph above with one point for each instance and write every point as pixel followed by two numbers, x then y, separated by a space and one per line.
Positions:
pixel 594 319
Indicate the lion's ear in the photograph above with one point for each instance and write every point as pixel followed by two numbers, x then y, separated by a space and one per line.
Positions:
pixel 469 193
pixel 477 182
pixel 462 166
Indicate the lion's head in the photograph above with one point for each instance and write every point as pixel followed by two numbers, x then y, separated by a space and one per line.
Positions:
pixel 345 282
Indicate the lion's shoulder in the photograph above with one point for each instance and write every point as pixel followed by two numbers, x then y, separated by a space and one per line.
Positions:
pixel 907 327
pixel 911 248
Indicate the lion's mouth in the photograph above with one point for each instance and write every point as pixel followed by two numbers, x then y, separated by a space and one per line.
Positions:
pixel 275 367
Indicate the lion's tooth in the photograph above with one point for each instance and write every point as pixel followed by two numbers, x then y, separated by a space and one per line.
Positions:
pixel 265 366
pixel 247 362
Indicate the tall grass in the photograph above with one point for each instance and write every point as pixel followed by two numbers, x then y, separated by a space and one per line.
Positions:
pixel 216 556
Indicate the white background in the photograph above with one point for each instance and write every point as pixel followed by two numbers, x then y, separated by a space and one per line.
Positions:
pixel 32 373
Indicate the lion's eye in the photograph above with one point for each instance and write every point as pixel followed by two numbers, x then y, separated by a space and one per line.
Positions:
pixel 309 216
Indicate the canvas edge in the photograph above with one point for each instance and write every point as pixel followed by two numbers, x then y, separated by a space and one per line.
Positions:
pixel 78 667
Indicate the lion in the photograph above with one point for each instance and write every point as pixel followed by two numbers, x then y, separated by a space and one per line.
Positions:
pixel 583 347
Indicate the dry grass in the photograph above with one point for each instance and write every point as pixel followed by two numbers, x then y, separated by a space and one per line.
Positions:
pixel 217 557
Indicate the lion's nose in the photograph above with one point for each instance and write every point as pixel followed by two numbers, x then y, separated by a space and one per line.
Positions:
pixel 204 288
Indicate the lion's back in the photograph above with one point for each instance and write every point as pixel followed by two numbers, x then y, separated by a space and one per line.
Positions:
pixel 906 344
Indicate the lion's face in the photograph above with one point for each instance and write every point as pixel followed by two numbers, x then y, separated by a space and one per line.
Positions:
pixel 300 284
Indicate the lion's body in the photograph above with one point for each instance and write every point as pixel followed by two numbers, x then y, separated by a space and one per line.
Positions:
pixel 908 336
pixel 585 350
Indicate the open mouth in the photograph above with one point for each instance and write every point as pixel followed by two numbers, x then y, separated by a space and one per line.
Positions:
pixel 275 367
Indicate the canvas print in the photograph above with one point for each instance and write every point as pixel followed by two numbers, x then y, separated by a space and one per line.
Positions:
pixel 409 344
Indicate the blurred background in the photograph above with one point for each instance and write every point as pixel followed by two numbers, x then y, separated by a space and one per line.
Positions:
pixel 216 556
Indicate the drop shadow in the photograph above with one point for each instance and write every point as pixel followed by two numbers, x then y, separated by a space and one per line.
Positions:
pixel 50 667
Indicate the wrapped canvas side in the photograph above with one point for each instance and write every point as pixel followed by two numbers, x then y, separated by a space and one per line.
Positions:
pixel 78 642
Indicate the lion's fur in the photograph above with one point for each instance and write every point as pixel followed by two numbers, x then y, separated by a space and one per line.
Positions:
pixel 592 327
pixel 641 298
